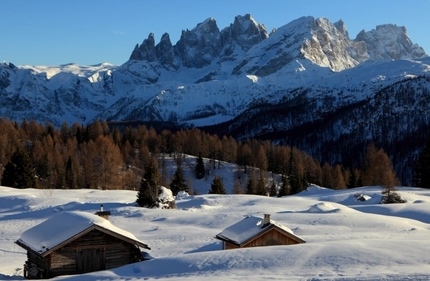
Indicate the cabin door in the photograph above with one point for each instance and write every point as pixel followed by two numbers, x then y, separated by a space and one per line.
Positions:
pixel 88 260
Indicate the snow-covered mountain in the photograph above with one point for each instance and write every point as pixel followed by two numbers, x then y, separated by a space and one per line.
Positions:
pixel 306 83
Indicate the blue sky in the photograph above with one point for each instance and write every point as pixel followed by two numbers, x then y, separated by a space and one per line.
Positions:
pixel 53 32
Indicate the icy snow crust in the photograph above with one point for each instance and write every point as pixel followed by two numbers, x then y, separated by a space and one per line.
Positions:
pixel 345 239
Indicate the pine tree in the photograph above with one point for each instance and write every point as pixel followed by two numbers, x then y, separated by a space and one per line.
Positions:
pixel 149 186
pixel 422 168
pixel 273 191
pixel 178 182
pixel 217 186
pixel 293 175
pixel 285 188
pixel 261 187
pixel 19 171
pixel 352 181
pixel 251 184
pixel 200 167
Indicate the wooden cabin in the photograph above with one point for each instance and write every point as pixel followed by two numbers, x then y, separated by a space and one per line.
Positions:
pixel 255 231
pixel 75 243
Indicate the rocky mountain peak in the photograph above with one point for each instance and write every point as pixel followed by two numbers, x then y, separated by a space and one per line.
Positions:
pixel 340 25
pixel 146 50
pixel 390 41
pixel 245 32
pixel 328 45
pixel 199 46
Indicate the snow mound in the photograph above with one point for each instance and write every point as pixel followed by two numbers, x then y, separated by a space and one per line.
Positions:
pixel 323 207
pixel 182 195
pixel 313 188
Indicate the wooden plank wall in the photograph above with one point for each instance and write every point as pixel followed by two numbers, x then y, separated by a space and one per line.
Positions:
pixel 114 252
pixel 270 238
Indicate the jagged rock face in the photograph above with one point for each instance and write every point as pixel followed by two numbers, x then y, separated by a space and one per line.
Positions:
pixel 318 40
pixel 146 50
pixel 328 46
pixel 199 47
pixel 341 27
pixel 245 32
pixel 390 41
pixel 165 53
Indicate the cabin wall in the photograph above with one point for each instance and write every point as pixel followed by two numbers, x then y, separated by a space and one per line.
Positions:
pixel 229 246
pixel 92 252
pixel 270 238
pixel 36 267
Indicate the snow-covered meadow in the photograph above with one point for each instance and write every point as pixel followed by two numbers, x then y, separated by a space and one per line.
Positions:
pixel 346 239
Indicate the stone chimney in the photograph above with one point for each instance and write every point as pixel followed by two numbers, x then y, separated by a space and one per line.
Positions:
pixel 102 213
pixel 266 220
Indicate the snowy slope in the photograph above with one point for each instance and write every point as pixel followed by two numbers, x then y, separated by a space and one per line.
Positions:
pixel 345 239
pixel 208 73
pixel 306 81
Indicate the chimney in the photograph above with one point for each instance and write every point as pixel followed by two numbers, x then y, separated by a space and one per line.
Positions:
pixel 103 214
pixel 266 220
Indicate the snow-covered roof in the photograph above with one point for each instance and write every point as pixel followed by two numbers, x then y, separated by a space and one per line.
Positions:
pixel 248 228
pixel 52 233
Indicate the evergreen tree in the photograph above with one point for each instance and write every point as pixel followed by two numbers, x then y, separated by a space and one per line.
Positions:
pixel 217 186
pixel 352 181
pixel 149 186
pixel 178 182
pixel 200 167
pixel 273 191
pixel 251 184
pixel 70 176
pixel 261 187
pixel 19 171
pixel 285 188
pixel 293 175
pixel 422 168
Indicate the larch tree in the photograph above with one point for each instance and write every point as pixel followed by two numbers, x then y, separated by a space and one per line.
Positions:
pixel 109 161
pixel 237 189
pixel 338 178
pixel 378 169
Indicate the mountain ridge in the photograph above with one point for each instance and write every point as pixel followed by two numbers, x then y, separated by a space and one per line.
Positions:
pixel 322 84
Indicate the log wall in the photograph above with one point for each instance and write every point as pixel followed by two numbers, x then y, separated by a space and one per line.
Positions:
pixel 269 238
pixel 91 252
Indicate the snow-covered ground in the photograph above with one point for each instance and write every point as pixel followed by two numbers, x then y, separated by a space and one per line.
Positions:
pixel 346 239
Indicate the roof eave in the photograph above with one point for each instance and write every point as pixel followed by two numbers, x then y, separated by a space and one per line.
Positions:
pixel 76 236
pixel 263 230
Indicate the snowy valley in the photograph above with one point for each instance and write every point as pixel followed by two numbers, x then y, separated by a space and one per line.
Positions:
pixel 346 239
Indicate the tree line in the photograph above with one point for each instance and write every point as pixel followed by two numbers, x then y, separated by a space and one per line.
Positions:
pixel 33 155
